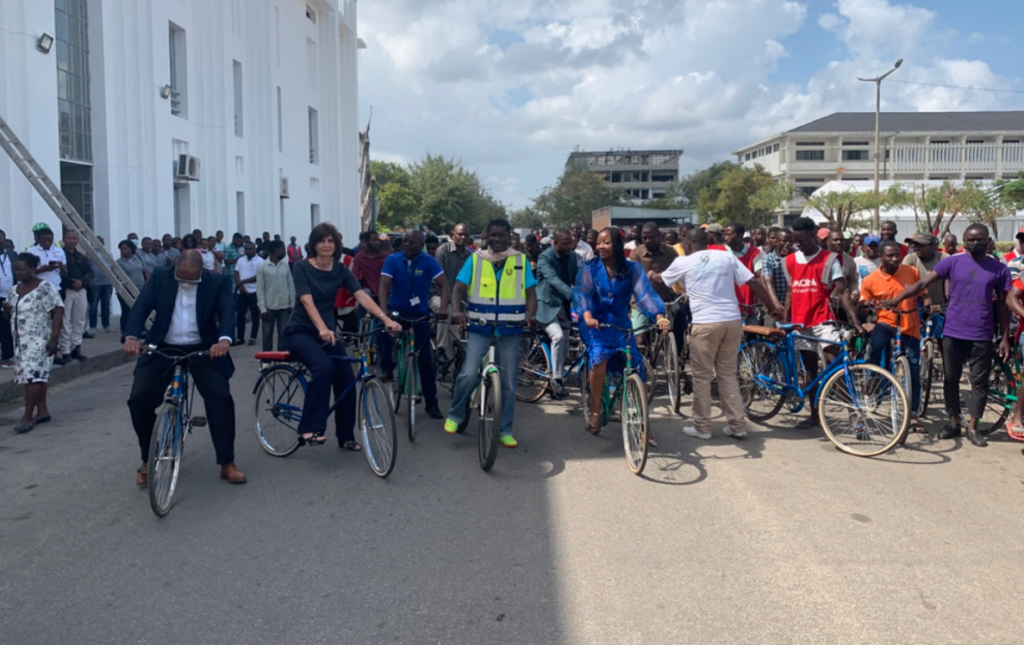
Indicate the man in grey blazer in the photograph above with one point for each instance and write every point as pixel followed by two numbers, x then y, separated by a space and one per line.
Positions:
pixel 556 269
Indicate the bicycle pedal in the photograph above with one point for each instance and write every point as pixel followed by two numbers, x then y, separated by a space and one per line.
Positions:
pixel 198 422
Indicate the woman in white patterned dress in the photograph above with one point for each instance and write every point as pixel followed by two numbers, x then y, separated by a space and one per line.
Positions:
pixel 36 312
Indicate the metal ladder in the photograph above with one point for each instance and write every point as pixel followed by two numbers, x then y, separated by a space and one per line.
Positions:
pixel 67 214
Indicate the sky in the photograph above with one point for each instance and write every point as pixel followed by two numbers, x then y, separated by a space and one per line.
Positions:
pixel 510 87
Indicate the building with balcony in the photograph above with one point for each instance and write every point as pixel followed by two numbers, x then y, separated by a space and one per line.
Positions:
pixel 921 146
pixel 157 117
pixel 641 175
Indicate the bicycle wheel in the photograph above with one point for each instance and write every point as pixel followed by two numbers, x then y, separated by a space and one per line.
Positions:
pixel 634 423
pixel 1002 395
pixel 165 450
pixel 377 426
pixel 652 379
pixel 277 409
pixel 671 353
pixel 410 395
pixel 760 372
pixel 927 373
pixel 901 372
pixel 490 419
pixel 399 377
pixel 864 410
pixel 534 374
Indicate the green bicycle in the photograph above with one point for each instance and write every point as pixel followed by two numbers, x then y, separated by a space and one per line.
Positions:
pixel 407 374
pixel 629 391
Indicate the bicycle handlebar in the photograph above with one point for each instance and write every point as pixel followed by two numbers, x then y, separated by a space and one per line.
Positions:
pixel 152 349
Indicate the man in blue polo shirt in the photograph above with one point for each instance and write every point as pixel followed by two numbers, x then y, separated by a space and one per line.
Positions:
pixel 405 289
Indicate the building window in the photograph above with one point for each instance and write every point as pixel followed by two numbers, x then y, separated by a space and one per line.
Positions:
pixel 280 125
pixel 176 40
pixel 820 144
pixel 314 215
pixel 73 107
pixel 746 157
pixel 855 155
pixel 240 211
pixel 237 70
pixel 311 14
pixel 855 143
pixel 807 191
pixel 311 64
pixel 810 155
pixel 775 148
pixel 314 137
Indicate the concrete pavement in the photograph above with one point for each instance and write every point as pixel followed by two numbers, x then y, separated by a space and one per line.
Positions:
pixel 776 539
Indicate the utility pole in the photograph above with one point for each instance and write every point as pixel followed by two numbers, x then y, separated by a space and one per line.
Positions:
pixel 878 110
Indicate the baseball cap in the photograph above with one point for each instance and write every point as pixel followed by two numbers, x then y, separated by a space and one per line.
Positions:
pixel 715 228
pixel 41 227
pixel 823 233
pixel 872 239
pixel 1020 233
pixel 927 238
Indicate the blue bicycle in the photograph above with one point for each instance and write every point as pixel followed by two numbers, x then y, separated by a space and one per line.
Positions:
pixel 174 420
pixel 281 389
pixel 534 376
pixel 931 357
pixel 863 408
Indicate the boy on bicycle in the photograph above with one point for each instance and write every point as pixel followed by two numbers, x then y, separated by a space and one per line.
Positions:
pixel 887 282
pixel 502 290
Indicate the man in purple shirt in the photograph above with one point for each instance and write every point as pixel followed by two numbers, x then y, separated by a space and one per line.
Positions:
pixel 977 298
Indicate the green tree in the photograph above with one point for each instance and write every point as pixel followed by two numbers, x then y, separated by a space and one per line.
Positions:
pixel 398 204
pixel 1010 192
pixel 935 207
pixel 576 196
pixel 527 218
pixel 730 199
pixel 841 209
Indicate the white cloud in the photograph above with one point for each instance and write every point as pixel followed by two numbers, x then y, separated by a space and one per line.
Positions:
pixel 510 87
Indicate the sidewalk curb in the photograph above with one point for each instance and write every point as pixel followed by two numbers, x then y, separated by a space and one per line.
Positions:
pixel 11 392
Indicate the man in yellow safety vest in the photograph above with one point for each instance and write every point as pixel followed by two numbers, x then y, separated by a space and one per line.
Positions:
pixel 502 299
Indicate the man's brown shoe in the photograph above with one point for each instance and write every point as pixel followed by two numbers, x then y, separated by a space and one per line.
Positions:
pixel 142 476
pixel 231 473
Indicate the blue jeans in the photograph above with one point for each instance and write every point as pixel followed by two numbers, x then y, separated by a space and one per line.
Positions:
pixel 880 343
pixel 324 371
pixel 507 355
pixel 421 331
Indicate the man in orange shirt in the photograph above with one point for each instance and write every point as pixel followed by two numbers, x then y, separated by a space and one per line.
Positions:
pixel 886 283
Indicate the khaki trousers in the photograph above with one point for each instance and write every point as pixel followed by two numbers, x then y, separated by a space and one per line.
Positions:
pixel 76 312
pixel 713 351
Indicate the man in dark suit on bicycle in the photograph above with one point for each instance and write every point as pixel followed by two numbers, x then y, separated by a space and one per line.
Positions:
pixel 556 268
pixel 194 311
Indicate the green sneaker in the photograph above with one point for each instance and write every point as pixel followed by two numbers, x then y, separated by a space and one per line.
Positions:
pixel 450 426
pixel 507 440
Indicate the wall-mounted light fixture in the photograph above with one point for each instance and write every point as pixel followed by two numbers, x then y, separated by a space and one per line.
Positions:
pixel 165 92
pixel 44 43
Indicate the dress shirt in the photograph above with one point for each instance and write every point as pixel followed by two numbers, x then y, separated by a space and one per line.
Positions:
pixel 584 251
pixel 246 269
pixel 53 254
pixel 184 327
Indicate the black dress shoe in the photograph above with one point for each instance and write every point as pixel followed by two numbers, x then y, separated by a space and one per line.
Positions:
pixel 557 391
pixel 975 437
pixel 949 432
pixel 76 354
pixel 434 412
pixel 60 360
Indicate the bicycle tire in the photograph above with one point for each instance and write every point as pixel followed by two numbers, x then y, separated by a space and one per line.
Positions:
pixel 278 398
pixel 410 395
pixel 652 379
pixel 534 374
pixel 635 423
pixel 377 425
pixel 585 392
pixel 901 372
pixel 671 352
pixel 870 384
pixel 927 373
pixel 399 377
pixel 759 358
pixel 1001 386
pixel 490 420
pixel 165 445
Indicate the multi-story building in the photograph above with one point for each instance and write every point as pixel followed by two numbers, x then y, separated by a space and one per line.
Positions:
pixel 640 174
pixel 914 146
pixel 156 117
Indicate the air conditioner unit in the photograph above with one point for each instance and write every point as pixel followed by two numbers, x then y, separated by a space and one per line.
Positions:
pixel 193 168
pixel 284 188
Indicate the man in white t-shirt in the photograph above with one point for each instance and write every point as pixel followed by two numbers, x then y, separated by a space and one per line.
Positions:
pixel 52 261
pixel 710 278
pixel 245 278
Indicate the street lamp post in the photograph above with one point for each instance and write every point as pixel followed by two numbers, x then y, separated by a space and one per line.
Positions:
pixel 878 110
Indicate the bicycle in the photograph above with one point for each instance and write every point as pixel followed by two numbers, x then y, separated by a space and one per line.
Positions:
pixel 486 398
pixel 280 392
pixel 630 388
pixel 535 359
pixel 406 380
pixel 853 392
pixel 447 368
pixel 662 353
pixel 173 421
pixel 931 354
pixel 897 360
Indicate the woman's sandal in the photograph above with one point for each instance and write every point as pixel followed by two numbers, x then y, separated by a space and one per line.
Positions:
pixel 594 426
pixel 917 428
pixel 312 439
pixel 351 446
pixel 1015 430
pixel 807 424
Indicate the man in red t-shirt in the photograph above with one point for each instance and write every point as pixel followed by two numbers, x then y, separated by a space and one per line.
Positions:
pixel 815 277
pixel 888 232
pixel 751 258
pixel 716 233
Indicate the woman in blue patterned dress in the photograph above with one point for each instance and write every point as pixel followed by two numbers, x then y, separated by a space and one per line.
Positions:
pixel 604 288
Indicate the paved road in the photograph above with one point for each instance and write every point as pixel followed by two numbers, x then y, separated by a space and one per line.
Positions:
pixel 778 539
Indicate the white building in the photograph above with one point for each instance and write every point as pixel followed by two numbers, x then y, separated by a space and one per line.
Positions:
pixel 914 146
pixel 641 175
pixel 159 117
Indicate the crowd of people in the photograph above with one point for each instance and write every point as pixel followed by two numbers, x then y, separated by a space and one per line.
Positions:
pixel 205 292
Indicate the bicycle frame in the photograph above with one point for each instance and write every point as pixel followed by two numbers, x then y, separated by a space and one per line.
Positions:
pixel 788 358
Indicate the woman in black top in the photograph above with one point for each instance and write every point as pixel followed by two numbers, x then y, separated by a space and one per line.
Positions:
pixel 309 338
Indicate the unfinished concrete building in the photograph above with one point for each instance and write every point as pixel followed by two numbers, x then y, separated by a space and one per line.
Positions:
pixel 641 175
